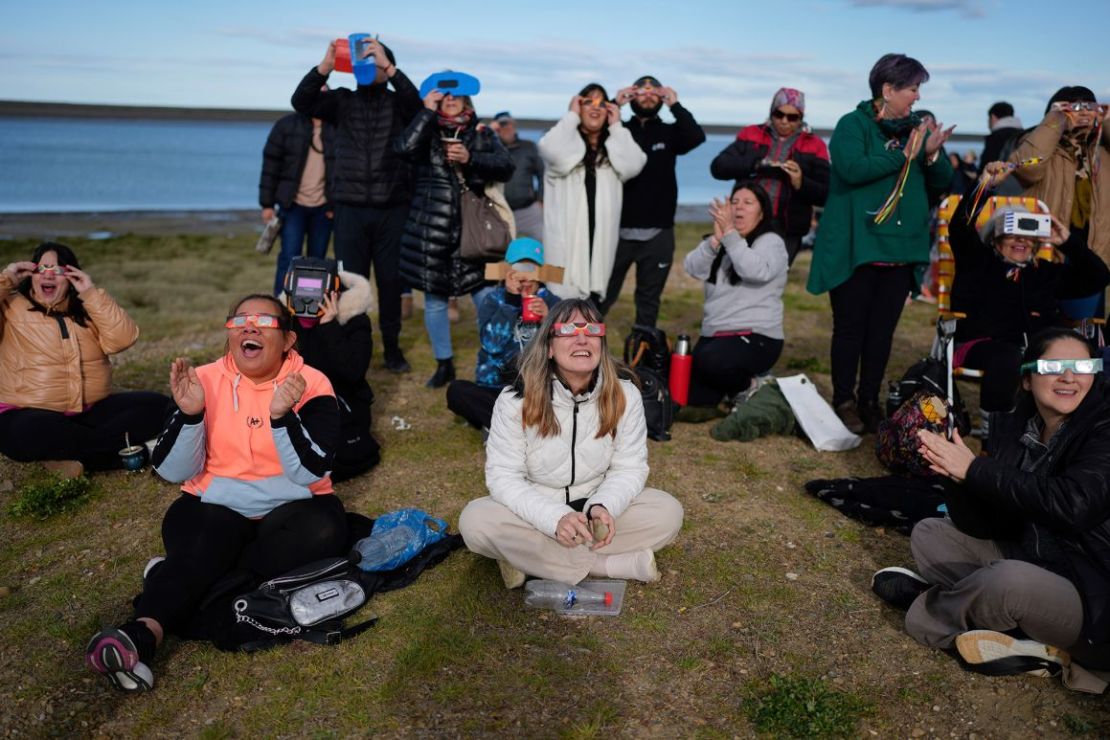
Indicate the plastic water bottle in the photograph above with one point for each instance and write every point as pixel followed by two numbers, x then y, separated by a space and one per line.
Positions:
pixel 545 594
pixel 379 549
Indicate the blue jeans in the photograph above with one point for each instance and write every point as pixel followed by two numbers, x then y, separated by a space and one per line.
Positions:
pixel 437 325
pixel 297 222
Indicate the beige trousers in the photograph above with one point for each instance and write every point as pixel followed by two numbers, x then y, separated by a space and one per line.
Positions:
pixel 650 522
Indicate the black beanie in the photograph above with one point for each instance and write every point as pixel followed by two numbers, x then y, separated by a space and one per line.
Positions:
pixel 1073 94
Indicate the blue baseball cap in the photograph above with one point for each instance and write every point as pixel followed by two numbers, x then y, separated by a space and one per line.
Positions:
pixel 524 249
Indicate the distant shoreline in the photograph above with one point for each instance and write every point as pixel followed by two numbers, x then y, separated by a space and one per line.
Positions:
pixel 34 109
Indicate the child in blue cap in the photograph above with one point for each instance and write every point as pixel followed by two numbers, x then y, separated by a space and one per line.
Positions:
pixel 507 321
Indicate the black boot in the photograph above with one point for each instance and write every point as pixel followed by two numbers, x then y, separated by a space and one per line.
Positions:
pixel 395 361
pixel 444 374
pixel 870 415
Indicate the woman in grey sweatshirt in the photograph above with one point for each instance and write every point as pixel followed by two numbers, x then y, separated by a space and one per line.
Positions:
pixel 744 266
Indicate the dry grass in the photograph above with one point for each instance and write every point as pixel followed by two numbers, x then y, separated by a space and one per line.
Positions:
pixel 457 654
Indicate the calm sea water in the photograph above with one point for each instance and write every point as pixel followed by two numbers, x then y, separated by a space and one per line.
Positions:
pixel 55 164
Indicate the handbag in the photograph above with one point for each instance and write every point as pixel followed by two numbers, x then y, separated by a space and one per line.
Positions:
pixel 485 235
pixel 897 443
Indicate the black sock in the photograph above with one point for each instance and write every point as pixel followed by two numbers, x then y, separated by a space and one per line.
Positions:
pixel 143 637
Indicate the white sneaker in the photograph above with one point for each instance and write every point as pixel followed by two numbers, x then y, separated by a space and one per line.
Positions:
pixel 998 654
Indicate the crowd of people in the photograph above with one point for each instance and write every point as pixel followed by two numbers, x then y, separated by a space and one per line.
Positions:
pixel 257 438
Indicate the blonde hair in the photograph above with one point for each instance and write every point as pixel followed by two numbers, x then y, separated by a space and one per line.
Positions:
pixel 538 373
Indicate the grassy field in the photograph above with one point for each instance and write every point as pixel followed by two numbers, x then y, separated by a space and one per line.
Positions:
pixel 725 645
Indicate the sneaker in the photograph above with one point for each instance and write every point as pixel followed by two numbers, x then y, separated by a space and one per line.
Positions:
pixel 996 654
pixel 65 469
pixel 112 653
pixel 898 587
pixel 848 414
pixel 512 577
pixel 395 362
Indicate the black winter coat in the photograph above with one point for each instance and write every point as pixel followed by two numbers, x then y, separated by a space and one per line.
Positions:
pixel 284 156
pixel 1068 495
pixel 650 197
pixel 1000 308
pixel 366 171
pixel 430 243
pixel 342 352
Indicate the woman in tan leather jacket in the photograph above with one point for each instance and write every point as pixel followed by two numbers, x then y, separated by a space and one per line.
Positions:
pixel 57 330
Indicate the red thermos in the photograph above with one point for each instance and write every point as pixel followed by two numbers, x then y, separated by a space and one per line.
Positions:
pixel 681 363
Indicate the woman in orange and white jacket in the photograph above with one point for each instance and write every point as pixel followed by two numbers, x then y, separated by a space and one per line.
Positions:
pixel 252 442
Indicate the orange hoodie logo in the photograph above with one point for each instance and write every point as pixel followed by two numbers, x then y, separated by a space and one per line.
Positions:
pixel 254 422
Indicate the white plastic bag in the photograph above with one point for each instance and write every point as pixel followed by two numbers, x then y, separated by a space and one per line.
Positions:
pixel 818 420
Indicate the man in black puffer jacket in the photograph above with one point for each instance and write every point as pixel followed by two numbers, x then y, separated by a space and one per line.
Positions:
pixel 295 161
pixel 371 185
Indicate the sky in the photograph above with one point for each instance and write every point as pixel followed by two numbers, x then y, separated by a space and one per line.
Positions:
pixel 725 58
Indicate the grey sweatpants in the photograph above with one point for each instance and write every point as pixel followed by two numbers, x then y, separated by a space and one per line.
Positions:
pixel 650 522
pixel 979 586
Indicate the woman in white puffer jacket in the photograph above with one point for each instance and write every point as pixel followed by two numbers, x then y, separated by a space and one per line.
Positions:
pixel 566 463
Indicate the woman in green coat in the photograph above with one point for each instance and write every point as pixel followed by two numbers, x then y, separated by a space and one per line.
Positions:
pixel 870 239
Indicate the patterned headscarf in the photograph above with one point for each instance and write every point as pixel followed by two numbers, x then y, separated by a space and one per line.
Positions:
pixel 789 96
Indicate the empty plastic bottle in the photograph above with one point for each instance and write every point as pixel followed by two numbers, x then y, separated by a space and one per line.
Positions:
pixel 380 550
pixel 545 594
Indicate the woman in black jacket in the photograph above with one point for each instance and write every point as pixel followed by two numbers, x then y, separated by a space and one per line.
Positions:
pixel 1028 543
pixel 448 148
pixel 1008 294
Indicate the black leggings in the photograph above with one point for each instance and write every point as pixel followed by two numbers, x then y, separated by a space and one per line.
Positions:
pixel 206 542
pixel 1001 365
pixel 94 437
pixel 866 308
pixel 724 366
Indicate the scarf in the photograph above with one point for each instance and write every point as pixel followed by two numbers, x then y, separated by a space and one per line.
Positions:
pixel 458 122
pixel 892 128
pixel 778 151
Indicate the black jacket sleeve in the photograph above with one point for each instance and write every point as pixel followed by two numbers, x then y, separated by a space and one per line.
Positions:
pixel 408 97
pixel 968 249
pixel 688 135
pixel 271 165
pixel 490 161
pixel 815 180
pixel 309 99
pixel 343 352
pixel 313 434
pixel 412 143
pixel 737 161
pixel 1085 272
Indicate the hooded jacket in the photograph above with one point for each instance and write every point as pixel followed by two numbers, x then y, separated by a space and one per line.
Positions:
pixel 540 479
pixel 1053 179
pixel 341 350
pixel 866 163
pixel 1068 494
pixel 430 259
pixel 650 197
pixel 284 157
pixel 366 172
pixel 235 455
pixel 49 361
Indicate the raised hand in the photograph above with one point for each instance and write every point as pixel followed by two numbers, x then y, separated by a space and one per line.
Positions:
pixel 327 64
pixel 79 279
pixel 17 272
pixel 794 171
pixel 431 100
pixel 286 395
pixel 951 459
pixel 613 113
pixel 1060 232
pixel 330 305
pixel 721 211
pixel 937 136
pixel 576 106
pixel 457 153
pixel 625 94
pixel 185 386
pixel 668 95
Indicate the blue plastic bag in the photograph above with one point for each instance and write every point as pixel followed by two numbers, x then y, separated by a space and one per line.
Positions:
pixel 397 537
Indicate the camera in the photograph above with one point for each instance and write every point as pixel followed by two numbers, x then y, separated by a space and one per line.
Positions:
pixel 307 283
pixel 1036 225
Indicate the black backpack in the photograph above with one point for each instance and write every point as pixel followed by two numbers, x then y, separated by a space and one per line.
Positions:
pixel 927 374
pixel 647 347
pixel 658 411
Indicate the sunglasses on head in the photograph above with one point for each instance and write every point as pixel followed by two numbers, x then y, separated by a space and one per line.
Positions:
pixel 792 117
pixel 1057 367
pixel 589 328
pixel 56 269
pixel 258 320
